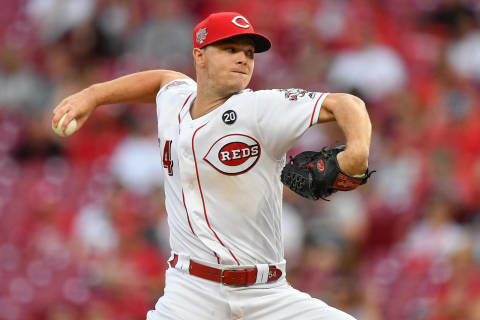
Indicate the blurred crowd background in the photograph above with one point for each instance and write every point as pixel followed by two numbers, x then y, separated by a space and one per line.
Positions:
pixel 83 231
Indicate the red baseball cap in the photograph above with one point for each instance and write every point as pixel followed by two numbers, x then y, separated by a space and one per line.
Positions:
pixel 223 25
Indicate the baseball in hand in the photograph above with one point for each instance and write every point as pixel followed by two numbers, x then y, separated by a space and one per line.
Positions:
pixel 71 127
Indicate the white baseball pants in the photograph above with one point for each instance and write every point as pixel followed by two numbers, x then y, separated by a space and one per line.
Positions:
pixel 187 297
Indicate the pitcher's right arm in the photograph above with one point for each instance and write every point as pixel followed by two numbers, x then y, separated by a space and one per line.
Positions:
pixel 141 87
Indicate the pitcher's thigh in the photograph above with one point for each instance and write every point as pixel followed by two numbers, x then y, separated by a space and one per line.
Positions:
pixel 187 297
pixel 285 302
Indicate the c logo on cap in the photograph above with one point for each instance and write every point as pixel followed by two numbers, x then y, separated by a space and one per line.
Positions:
pixel 246 25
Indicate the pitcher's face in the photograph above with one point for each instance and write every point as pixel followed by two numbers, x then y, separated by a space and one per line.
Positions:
pixel 229 63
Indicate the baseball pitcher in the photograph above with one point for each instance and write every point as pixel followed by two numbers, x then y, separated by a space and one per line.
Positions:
pixel 223 152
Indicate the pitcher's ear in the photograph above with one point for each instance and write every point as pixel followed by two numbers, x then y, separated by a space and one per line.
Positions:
pixel 199 57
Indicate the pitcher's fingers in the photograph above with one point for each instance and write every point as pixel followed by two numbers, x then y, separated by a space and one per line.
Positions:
pixel 59 111
pixel 69 116
pixel 58 114
pixel 56 117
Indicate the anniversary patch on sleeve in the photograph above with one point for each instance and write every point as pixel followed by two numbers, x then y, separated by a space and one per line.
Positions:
pixel 293 94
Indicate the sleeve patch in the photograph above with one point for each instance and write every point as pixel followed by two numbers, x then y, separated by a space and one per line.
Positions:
pixel 293 94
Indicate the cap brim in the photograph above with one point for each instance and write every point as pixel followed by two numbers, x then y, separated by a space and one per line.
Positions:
pixel 262 43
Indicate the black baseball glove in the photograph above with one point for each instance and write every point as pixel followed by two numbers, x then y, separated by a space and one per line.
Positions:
pixel 316 175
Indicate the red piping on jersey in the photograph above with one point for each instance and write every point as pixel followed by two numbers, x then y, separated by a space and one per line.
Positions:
pixel 188 218
pixel 315 108
pixel 203 200
pixel 179 119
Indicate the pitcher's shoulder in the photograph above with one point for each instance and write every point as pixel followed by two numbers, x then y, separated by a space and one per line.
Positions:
pixel 249 95
pixel 177 88
pixel 181 83
pixel 263 93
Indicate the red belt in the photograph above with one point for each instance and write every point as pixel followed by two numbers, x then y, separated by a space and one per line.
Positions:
pixel 238 277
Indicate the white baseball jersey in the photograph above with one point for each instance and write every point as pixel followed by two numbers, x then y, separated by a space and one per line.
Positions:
pixel 222 170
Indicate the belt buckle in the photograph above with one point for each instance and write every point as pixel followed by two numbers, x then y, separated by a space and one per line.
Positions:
pixel 222 278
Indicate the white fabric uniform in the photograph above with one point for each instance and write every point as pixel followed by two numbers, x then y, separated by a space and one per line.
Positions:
pixel 222 185
pixel 191 298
